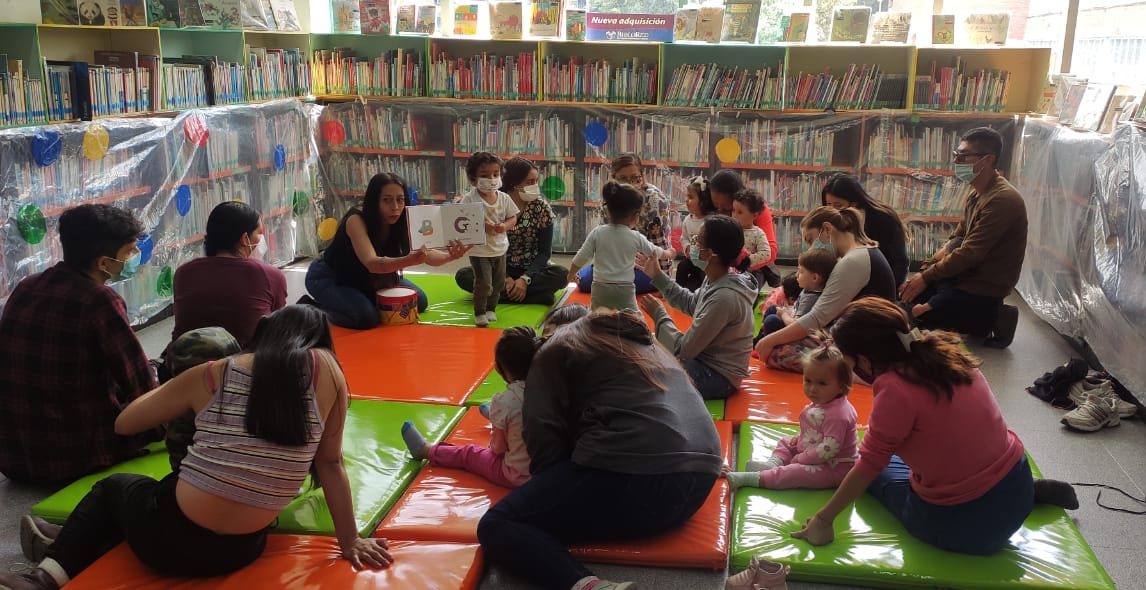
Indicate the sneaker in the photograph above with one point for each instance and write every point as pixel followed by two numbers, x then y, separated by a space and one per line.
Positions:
pixel 36 535
pixel 607 585
pixel 481 320
pixel 33 579
pixel 1094 414
pixel 1103 388
pixel 491 316
pixel 1006 323
pixel 761 574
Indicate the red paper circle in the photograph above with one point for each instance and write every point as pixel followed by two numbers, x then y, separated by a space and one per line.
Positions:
pixel 196 132
pixel 334 132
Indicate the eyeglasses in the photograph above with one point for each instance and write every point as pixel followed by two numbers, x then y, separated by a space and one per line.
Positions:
pixel 959 156
pixel 634 180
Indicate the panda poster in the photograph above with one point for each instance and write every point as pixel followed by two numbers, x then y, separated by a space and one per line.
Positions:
pixel 434 226
pixel 98 13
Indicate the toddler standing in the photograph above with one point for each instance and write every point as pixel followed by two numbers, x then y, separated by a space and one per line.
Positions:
pixel 814 268
pixel 825 448
pixel 699 204
pixel 483 170
pixel 747 204
pixel 613 247
pixel 505 461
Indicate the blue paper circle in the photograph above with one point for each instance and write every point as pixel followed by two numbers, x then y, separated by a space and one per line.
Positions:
pixel 280 157
pixel 411 195
pixel 183 200
pixel 146 247
pixel 46 147
pixel 596 134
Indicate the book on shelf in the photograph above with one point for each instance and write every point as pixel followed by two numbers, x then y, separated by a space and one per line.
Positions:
pixel 986 29
pixel 577 79
pixel 1072 100
pixel 399 72
pixel 466 17
pixel 69 90
pixel 912 147
pixel 184 84
pixel 59 12
pixel 659 142
pixel 484 76
pixel 953 88
pixel 191 14
pixel 221 14
pixel 1120 108
pixel 505 20
pixel 407 16
pixel 531 136
pixel 713 85
pixel 277 73
pixel 345 16
pixel 709 23
pixel 434 226
pixel 98 13
pixel 850 24
pixel 795 26
pixel 1092 106
pixel 890 27
pixel 375 16
pixel 942 29
pixel 132 13
pixel 576 24
pixel 684 27
pixel 257 15
pixel 21 97
pixel 545 18
pixel 771 141
pixel 1140 113
pixel 863 86
pixel 285 15
pixel 741 19
pixel 161 13
pixel 1062 84
pixel 426 20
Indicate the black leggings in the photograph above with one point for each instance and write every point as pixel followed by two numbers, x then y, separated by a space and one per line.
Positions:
pixel 144 512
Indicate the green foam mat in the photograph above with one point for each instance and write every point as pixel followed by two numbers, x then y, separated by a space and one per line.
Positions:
pixel 715 408
pixel 451 306
pixel 377 464
pixel 873 548
pixel 58 506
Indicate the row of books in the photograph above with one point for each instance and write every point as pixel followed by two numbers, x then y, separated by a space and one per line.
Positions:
pixel 576 79
pixel 909 195
pixel 953 88
pixel 184 86
pixel 909 146
pixel 655 139
pixel 712 85
pixel 529 136
pixel 778 142
pixel 485 76
pixel 861 87
pixel 787 192
pixel 21 97
pixel 349 174
pixel 925 239
pixel 285 129
pixel 223 150
pixel 392 73
pixel 378 126
pixel 277 73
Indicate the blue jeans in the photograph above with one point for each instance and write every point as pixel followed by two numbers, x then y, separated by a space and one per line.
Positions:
pixel 346 306
pixel 772 323
pixel 978 527
pixel 642 281
pixel 709 383
pixel 529 530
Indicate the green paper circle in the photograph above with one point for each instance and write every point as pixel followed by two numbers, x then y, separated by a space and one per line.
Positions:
pixel 553 188
pixel 300 203
pixel 165 284
pixel 30 224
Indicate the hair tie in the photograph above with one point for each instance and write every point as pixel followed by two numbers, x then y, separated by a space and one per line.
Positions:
pixel 907 338
pixel 701 182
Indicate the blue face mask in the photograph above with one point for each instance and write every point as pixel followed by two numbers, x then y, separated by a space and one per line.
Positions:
pixel 822 245
pixel 965 172
pixel 130 267
pixel 694 256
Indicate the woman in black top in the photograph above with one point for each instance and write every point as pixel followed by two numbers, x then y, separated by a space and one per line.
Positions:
pixel 881 222
pixel 369 251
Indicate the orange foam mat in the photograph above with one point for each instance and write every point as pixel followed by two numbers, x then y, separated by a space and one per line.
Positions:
pixel 768 395
pixel 415 363
pixel 303 562
pixel 446 505
pixel 681 319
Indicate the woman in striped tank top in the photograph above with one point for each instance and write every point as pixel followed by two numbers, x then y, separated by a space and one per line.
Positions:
pixel 263 417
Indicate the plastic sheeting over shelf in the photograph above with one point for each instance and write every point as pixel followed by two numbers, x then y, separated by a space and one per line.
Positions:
pixel 1085 271
pixel 169 172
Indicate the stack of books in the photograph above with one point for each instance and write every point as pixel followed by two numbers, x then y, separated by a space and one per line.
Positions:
pixel 393 73
pixel 485 76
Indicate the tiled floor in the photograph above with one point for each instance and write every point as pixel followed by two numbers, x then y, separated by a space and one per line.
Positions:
pixel 1113 457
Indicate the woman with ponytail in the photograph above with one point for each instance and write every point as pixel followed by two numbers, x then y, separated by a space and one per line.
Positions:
pixel 937 453
pixel 715 349
pixel 861 271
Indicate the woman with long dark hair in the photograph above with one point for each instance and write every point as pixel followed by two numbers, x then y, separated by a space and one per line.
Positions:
pixel 723 187
pixel 368 253
pixel 880 222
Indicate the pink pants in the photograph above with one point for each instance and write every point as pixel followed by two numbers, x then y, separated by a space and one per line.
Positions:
pixel 474 459
pixel 796 475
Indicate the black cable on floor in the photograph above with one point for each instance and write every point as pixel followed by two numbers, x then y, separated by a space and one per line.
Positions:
pixel 1102 487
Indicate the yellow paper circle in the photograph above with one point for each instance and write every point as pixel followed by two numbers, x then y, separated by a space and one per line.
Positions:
pixel 327 228
pixel 96 141
pixel 728 149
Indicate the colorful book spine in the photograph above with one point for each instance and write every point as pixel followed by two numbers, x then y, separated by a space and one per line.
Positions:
pixel 576 79
pixel 911 147
pixel 381 127
pixel 21 97
pixel 771 141
pixel 954 88
pixel 484 76
pixel 658 142
pixel 274 73
pixel 711 85
pixel 392 74
pixel 532 137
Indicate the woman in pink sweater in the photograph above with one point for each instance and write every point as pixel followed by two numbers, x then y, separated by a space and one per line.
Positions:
pixel 937 452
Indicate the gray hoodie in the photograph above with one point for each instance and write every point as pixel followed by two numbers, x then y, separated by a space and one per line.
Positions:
pixel 722 323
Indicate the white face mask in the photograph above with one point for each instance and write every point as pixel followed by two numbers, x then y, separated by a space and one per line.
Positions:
pixel 529 193
pixel 261 249
pixel 489 184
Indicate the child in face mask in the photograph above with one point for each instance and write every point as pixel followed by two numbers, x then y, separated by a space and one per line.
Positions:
pixel 488 260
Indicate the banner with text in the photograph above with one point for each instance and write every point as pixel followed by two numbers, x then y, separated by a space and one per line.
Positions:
pixel 630 27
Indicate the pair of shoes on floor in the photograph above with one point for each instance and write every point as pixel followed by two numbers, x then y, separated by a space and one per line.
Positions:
pixel 1003 333
pixel 1093 414
pixel 1081 390
pixel 31 579
pixel 36 535
pixel 482 320
pixel 760 575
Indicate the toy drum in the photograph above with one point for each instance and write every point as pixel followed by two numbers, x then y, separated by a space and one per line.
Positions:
pixel 398 306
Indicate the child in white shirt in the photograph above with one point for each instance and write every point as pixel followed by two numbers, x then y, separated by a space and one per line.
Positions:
pixel 746 206
pixel 699 204
pixel 488 260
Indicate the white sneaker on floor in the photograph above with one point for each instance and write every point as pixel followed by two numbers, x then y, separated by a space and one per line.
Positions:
pixel 491 316
pixel 1083 388
pixel 481 320
pixel 1094 414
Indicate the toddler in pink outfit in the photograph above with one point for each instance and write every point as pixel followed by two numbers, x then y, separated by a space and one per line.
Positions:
pixel 826 447
pixel 505 461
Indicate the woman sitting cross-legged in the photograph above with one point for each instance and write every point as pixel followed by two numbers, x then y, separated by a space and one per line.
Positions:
pixel 262 418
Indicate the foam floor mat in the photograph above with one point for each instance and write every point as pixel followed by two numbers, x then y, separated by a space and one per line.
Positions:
pixel 768 395
pixel 681 319
pixel 415 363
pixel 873 548
pixel 446 505
pixel 58 506
pixel 451 306
pixel 303 562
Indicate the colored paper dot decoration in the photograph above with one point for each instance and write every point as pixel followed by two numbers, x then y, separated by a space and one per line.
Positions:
pixel 327 229
pixel 165 284
pixel 183 200
pixel 30 223
pixel 553 187
pixel 196 131
pixel 596 134
pixel 728 149
pixel 300 203
pixel 334 132
pixel 46 147
pixel 96 142
pixel 280 157
pixel 412 195
pixel 146 247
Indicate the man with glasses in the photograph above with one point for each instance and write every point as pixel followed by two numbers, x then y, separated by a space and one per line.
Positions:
pixel 980 264
pixel 69 360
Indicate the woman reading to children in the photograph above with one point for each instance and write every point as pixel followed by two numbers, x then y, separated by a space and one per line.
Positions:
pixel 263 417
pixel 937 452
pixel 368 253
pixel 716 348
pixel 621 447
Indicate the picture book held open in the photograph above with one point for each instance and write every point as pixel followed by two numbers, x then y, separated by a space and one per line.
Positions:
pixel 434 226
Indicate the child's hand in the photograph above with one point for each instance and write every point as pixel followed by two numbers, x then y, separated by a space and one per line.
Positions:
pixel 369 553
pixel 817 531
pixel 490 227
pixel 571 277
pixel 499 228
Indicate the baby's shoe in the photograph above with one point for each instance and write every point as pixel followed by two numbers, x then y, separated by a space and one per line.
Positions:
pixel 491 316
pixel 760 575
pixel 481 320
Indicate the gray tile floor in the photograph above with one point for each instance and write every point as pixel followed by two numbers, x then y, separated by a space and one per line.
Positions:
pixel 1113 456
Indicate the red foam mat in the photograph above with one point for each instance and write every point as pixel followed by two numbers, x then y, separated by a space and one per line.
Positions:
pixel 681 319
pixel 446 505
pixel 768 395
pixel 303 562
pixel 415 363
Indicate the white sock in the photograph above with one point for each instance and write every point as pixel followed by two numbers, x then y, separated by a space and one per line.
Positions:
pixel 55 570
pixel 769 463
pixel 743 479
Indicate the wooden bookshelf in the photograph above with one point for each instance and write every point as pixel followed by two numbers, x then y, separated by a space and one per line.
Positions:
pixel 615 54
pixel 1028 67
